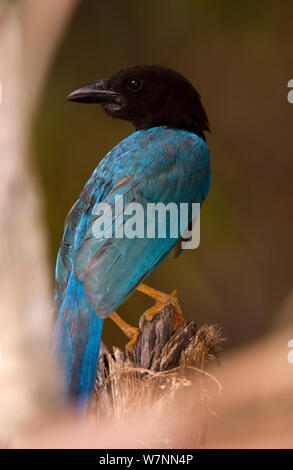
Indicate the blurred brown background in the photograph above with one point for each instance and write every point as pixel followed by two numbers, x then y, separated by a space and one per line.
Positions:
pixel 239 56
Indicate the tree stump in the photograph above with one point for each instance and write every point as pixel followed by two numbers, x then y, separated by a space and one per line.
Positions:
pixel 163 365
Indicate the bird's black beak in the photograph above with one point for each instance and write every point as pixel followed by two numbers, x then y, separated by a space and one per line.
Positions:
pixel 95 92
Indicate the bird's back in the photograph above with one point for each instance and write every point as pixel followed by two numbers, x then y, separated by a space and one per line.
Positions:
pixel 94 276
pixel 150 166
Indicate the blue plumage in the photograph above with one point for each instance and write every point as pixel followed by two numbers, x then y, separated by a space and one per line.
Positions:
pixel 94 277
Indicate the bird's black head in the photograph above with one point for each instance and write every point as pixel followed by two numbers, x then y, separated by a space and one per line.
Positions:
pixel 148 96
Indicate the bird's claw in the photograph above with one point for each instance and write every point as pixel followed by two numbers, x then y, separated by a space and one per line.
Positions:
pixel 130 345
pixel 165 299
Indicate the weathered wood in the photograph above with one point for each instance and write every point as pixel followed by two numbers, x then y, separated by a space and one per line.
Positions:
pixel 162 362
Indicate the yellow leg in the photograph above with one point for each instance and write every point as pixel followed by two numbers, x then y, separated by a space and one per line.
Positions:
pixel 161 299
pixel 130 331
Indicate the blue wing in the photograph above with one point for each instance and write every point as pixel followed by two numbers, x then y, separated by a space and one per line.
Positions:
pixel 156 165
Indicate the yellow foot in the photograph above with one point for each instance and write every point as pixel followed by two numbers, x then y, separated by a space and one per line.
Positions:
pixel 161 300
pixel 130 331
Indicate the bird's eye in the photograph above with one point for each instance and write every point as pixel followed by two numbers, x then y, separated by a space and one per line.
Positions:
pixel 134 84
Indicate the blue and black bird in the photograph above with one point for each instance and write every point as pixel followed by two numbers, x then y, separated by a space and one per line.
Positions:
pixel 165 160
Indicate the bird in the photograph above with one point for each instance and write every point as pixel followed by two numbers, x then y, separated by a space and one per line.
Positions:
pixel 166 159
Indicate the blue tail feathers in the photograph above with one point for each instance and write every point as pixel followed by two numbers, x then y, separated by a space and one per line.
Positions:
pixel 77 343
